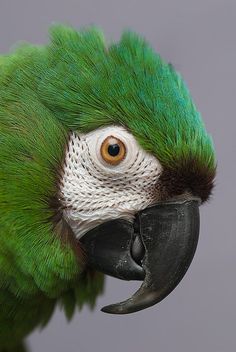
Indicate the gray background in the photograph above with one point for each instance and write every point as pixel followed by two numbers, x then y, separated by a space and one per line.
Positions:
pixel 198 37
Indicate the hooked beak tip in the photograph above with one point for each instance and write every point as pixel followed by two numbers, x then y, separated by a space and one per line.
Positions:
pixel 169 234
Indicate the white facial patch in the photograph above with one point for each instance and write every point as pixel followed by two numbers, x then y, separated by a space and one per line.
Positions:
pixel 94 191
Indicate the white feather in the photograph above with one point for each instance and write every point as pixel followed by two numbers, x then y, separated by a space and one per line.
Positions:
pixel 93 191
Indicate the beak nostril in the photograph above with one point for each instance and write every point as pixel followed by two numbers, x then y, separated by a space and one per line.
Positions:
pixel 137 249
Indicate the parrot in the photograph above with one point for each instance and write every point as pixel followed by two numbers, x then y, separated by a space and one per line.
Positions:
pixel 104 162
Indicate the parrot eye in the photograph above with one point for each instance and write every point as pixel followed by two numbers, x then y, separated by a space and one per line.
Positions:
pixel 113 150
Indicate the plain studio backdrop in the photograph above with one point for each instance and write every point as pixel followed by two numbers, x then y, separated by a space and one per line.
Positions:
pixel 199 38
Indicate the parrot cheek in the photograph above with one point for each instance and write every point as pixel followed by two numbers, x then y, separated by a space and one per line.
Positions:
pixel 157 248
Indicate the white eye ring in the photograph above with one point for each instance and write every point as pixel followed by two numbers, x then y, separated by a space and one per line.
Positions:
pixel 130 145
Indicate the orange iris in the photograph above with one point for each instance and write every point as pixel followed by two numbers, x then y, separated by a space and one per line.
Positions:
pixel 113 150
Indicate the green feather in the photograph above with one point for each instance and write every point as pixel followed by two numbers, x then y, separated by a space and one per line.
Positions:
pixel 128 84
pixel 76 82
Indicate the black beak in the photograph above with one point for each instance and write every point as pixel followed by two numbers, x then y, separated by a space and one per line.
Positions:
pixel 158 248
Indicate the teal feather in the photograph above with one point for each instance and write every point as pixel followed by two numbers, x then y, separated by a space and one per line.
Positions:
pixel 76 82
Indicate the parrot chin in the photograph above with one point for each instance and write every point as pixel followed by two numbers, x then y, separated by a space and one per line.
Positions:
pixel 157 248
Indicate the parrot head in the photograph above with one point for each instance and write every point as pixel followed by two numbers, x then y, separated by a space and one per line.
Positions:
pixel 135 160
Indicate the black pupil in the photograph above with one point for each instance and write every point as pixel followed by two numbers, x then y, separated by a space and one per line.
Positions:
pixel 113 149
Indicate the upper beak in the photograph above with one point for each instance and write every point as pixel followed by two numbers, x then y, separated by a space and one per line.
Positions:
pixel 158 248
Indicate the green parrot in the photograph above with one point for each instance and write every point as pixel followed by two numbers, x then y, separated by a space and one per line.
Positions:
pixel 104 163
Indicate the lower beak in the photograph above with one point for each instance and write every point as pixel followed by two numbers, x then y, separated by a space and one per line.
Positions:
pixel 157 248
